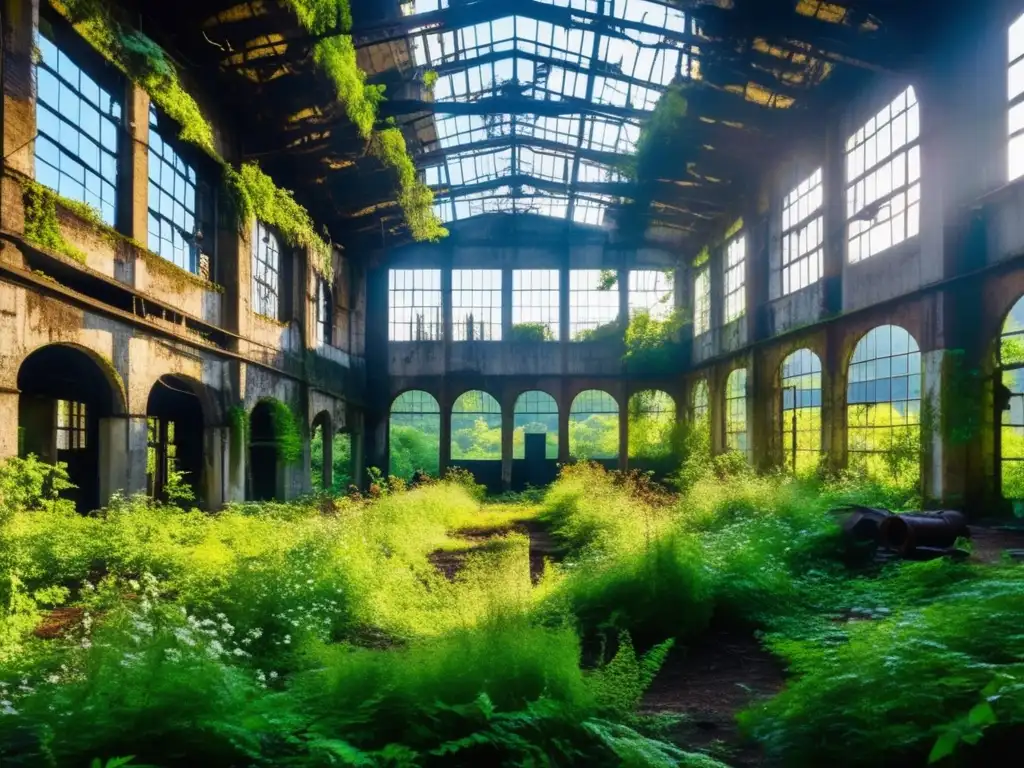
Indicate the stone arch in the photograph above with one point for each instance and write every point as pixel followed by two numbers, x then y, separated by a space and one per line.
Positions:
pixel 322 436
pixel 266 462
pixel 414 433
pixel 1009 403
pixel 651 415
pixel 800 405
pixel 476 427
pixel 68 394
pixel 535 412
pixel 594 425
pixel 883 404
pixel 177 411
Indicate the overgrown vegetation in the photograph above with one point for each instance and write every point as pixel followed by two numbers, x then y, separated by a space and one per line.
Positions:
pixel 41 225
pixel 287 435
pixel 531 332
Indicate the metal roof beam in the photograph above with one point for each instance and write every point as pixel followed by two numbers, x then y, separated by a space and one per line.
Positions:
pixel 511 105
pixel 595 155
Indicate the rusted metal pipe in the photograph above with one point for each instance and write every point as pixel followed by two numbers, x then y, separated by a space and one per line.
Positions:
pixel 907 532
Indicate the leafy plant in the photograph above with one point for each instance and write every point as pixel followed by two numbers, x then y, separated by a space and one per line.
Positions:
pixel 530 332
pixel 41 225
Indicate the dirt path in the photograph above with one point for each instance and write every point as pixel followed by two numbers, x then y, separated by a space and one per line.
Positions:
pixel 709 683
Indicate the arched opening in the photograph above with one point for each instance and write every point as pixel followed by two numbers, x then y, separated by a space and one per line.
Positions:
pixel 321 453
pixel 1009 399
pixel 476 427
pixel 535 413
pixel 414 434
pixel 263 453
pixel 652 418
pixel 736 438
pixel 594 426
pixel 174 440
pixel 883 401
pixel 801 411
pixel 64 393
pixel 534 439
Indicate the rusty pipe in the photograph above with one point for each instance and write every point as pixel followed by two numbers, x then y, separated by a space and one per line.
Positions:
pixel 906 532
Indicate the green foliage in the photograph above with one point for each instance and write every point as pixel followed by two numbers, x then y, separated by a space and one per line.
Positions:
pixel 608 280
pixel 144 62
pixel 530 332
pixel 414 197
pixel 734 229
pixel 610 331
pixel 962 397
pixel 341 461
pixel 703 257
pixel 410 449
pixel 658 134
pixel 651 343
pixel 430 79
pixel 257 197
pixel 238 424
pixel 287 434
pixel 41 225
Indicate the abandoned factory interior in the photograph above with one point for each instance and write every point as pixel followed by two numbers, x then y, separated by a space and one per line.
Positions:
pixel 324 321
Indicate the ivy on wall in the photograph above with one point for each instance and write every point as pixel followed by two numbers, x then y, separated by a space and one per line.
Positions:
pixel 238 424
pixel 41 225
pixel 287 435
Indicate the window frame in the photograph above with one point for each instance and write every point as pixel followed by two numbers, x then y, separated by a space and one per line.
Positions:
pixel 71 426
pixel 803 234
pixel 584 282
pixel 523 313
pixel 736 404
pixel 702 302
pixel 865 170
pixel 1015 101
pixel 324 326
pixel 477 297
pixel 417 290
pixel 109 87
pixel 803 377
pixel 735 279
pixel 263 237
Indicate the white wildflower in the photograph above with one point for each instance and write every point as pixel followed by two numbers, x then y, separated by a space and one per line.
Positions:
pixel 133 583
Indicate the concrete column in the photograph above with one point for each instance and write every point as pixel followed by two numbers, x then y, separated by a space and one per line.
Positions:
pixel 507 433
pixel 506 303
pixel 216 486
pixel 358 453
pixel 716 402
pixel 327 468
pixel 623 430
pixel 762 402
pixel 564 404
pixel 445 449
pixel 123 451
pixel 235 469
pixel 9 427
pixel 623 296
pixel 20 20
pixel 134 208
pixel 834 257
pixel 944 476
pixel 833 401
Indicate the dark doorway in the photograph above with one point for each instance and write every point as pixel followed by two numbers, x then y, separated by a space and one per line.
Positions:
pixel 64 394
pixel 174 427
pixel 262 454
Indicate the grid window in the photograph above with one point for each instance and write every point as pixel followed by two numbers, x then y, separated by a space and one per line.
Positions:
pixel 414 305
pixel 1015 94
pixel 883 401
pixel 650 290
pixel 701 303
pixel 594 426
pixel 324 314
pixel 71 426
pixel 77 121
pixel 883 176
pixel 1011 433
pixel 801 410
pixel 700 405
pixel 266 268
pixel 803 232
pixel 535 301
pixel 736 279
pixel 535 413
pixel 736 412
pixel 476 304
pixel 161 454
pixel 180 206
pixel 652 417
pixel 414 434
pixel 591 306
pixel 476 427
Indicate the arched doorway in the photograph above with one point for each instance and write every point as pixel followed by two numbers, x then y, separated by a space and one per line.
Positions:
pixel 321 453
pixel 64 394
pixel 174 440
pixel 1009 401
pixel 800 378
pixel 594 426
pixel 652 417
pixel 263 458
pixel 414 434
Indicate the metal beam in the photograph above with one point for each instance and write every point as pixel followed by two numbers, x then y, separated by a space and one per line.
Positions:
pixel 473 12
pixel 512 105
pixel 500 142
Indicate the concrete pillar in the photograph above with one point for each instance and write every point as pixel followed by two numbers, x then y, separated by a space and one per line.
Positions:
pixel 564 404
pixel 9 427
pixel 134 198
pixel 123 451
pixel 944 475
pixel 216 462
pixel 20 20
pixel 623 296
pixel 445 448
pixel 762 404
pixel 358 453
pixel 623 430
pixel 716 404
pixel 506 303
pixel 237 458
pixel 327 468
pixel 834 188
pixel 833 400
pixel 507 433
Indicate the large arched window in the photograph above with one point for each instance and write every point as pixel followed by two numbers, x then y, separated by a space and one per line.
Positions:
pixel 1010 397
pixel 652 415
pixel 883 401
pixel 699 405
pixel 594 426
pixel 736 412
pixel 535 413
pixel 414 434
pixel 801 410
pixel 476 427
